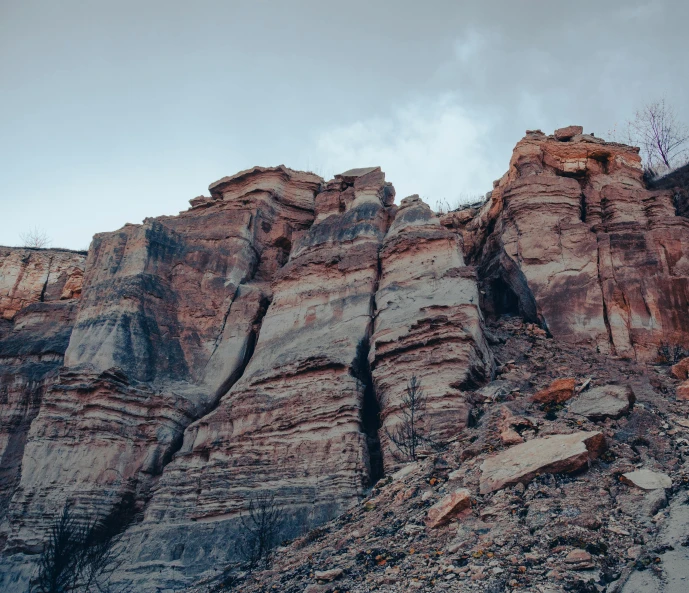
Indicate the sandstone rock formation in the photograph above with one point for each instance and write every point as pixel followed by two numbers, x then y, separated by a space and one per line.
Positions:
pixel 169 318
pixel 571 238
pixel 38 292
pixel 261 343
pixel 428 323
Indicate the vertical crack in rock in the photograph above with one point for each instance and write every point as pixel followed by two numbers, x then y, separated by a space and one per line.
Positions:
pixel 370 410
pixel 606 320
pixel 47 279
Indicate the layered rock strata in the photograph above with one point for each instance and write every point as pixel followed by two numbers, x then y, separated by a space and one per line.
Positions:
pixel 292 426
pixel 428 326
pixel 39 289
pixel 169 318
pixel 261 343
pixel 571 238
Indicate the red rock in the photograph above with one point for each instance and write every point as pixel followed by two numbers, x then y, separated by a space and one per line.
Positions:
pixel 559 391
pixel 572 239
pixel 448 508
pixel 683 391
pixel 37 275
pixel 568 133
pixel 564 453
pixel 577 557
pixel 681 369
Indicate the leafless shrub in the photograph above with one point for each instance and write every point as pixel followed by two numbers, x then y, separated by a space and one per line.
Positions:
pixel 412 433
pixel 36 238
pixel 671 353
pixel 81 555
pixel 660 135
pixel 463 200
pixel 262 526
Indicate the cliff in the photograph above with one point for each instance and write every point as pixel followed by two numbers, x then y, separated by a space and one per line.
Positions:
pixel 262 343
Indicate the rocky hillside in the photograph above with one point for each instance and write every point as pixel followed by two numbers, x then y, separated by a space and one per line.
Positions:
pixel 262 344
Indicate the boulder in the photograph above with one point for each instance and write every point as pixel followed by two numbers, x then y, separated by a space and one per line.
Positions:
pixel 557 392
pixel 607 401
pixel 563 453
pixel 681 369
pixel 564 134
pixel 328 575
pixel 647 479
pixel 683 391
pixel 577 556
pixel 448 508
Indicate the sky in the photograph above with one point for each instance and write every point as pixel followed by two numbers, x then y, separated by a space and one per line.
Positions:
pixel 111 112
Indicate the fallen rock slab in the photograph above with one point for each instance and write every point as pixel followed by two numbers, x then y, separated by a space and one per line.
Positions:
pixel 647 479
pixel 448 508
pixel 557 392
pixel 607 401
pixel 563 453
pixel 328 575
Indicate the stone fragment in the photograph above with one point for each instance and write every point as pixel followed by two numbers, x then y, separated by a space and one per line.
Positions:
pixel 577 556
pixel 683 391
pixel 564 453
pixel 607 401
pixel 681 369
pixel 557 392
pixel 647 479
pixel 328 575
pixel 564 134
pixel 448 508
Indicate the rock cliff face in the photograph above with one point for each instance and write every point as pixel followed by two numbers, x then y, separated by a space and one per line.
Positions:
pixel 39 289
pixel 261 343
pixel 572 222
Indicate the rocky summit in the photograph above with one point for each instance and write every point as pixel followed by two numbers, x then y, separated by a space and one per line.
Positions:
pixel 488 399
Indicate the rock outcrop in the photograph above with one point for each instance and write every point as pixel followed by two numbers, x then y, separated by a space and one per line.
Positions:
pixel 261 345
pixel 571 238
pixel 169 318
pixel 38 292
pixel 428 324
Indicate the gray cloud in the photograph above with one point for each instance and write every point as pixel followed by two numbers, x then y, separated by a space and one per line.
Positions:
pixel 116 111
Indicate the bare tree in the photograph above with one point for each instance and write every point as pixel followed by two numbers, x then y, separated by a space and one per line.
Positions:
pixel 35 237
pixel 262 526
pixel 412 432
pixel 660 135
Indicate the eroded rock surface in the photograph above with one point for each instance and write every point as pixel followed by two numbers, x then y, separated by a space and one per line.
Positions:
pixel 571 238
pixel 428 323
pixel 38 292
pixel 606 401
pixel 262 342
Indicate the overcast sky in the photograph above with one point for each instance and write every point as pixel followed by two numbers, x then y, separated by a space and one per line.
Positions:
pixel 113 111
